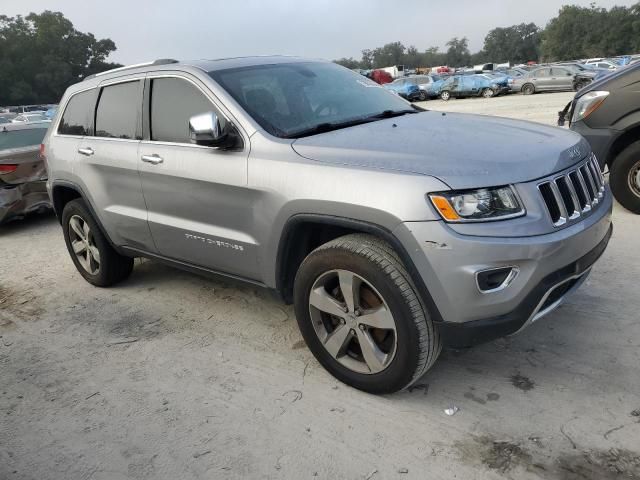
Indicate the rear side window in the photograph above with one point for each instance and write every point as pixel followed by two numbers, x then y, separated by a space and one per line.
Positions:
pixel 76 119
pixel 117 113
pixel 173 102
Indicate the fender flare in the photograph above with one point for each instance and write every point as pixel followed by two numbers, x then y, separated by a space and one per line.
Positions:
pixel 385 234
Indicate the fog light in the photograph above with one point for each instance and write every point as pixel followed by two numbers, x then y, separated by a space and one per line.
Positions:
pixel 496 279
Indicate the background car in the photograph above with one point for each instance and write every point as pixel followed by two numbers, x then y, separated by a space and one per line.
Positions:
pixel 604 63
pixel 467 86
pixel 605 113
pixel 22 171
pixel 406 89
pixel 551 78
pixel 424 83
pixel 501 81
pixel 31 118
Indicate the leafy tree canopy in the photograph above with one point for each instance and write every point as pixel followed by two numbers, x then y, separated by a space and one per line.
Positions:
pixel 42 54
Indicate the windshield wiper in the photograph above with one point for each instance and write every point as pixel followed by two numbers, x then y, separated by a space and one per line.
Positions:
pixel 330 126
pixel 392 113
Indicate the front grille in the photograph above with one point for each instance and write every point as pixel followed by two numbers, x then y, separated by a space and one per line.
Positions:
pixel 573 194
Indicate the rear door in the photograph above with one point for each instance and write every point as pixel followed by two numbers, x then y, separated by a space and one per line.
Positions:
pixel 541 78
pixel 561 79
pixel 200 208
pixel 108 162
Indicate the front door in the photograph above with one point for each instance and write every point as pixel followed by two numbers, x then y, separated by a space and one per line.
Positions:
pixel 199 206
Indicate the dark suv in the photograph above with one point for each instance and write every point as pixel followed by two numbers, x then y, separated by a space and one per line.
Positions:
pixel 607 114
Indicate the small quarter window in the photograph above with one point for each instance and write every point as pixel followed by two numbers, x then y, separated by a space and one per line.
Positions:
pixel 117 113
pixel 76 119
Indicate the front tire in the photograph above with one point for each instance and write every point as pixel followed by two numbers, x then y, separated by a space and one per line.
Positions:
pixel 488 93
pixel 445 95
pixel 361 317
pixel 93 256
pixel 624 177
pixel 422 96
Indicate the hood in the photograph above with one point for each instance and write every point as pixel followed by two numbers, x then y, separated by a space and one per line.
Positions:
pixel 464 151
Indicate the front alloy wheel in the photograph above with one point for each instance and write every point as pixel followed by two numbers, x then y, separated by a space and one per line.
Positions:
pixel 353 321
pixel 361 315
pixel 445 95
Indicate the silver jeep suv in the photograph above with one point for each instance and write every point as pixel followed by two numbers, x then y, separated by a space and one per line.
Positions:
pixel 393 230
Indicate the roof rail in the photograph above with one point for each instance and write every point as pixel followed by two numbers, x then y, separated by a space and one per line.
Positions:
pixel 160 61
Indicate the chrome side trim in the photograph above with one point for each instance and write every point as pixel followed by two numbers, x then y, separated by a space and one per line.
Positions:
pixel 538 314
pixel 515 271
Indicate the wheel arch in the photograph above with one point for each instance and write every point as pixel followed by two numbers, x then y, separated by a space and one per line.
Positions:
pixel 623 141
pixel 303 233
pixel 62 192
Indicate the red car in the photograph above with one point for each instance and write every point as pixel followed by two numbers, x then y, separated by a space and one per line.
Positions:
pixel 381 77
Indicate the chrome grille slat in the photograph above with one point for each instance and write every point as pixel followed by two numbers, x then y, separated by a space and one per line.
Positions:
pixel 583 187
pixel 575 193
pixel 574 197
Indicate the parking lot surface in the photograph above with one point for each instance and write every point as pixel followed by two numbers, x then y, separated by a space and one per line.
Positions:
pixel 174 376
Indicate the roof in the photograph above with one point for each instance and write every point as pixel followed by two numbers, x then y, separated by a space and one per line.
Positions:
pixel 205 65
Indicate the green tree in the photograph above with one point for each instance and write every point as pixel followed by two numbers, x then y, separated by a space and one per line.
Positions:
pixel 42 54
pixel 518 43
pixel 388 55
pixel 458 52
pixel 350 62
pixel 580 32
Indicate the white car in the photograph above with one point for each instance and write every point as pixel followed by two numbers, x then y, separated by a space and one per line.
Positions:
pixel 605 64
pixel 31 118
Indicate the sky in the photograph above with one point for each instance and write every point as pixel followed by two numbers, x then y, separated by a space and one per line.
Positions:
pixel 189 29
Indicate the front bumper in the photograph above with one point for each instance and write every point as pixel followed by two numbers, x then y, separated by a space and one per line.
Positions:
pixel 22 199
pixel 550 266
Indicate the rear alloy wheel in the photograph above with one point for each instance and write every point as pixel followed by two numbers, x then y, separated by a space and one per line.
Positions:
pixel 624 177
pixel 94 258
pixel 360 315
pixel 445 95
pixel 528 89
pixel 488 93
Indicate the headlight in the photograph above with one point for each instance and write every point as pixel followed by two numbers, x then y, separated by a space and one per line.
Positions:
pixel 587 104
pixel 497 203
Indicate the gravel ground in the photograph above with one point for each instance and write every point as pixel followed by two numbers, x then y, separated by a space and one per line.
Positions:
pixel 173 376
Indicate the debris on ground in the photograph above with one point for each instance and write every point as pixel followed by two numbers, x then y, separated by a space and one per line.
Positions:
pixel 403 470
pixel 452 410
pixel 373 472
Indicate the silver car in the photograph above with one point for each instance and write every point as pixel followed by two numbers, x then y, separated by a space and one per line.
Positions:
pixel 552 78
pixel 393 230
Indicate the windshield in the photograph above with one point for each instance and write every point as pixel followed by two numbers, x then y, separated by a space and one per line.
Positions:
pixel 297 97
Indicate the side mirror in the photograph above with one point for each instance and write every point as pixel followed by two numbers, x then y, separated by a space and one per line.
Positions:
pixel 205 129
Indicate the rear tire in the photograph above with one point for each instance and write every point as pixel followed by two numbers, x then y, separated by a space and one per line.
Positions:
pixel 624 177
pixel 93 256
pixel 528 89
pixel 404 352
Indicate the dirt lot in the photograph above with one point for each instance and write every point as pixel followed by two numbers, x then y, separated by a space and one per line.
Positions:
pixel 172 376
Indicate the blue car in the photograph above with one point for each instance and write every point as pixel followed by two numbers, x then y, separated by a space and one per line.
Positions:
pixel 501 81
pixel 467 86
pixel 406 89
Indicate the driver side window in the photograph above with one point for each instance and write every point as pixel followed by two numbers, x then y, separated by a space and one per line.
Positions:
pixel 173 102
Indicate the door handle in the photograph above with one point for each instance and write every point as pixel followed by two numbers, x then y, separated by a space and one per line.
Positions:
pixel 152 159
pixel 86 151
